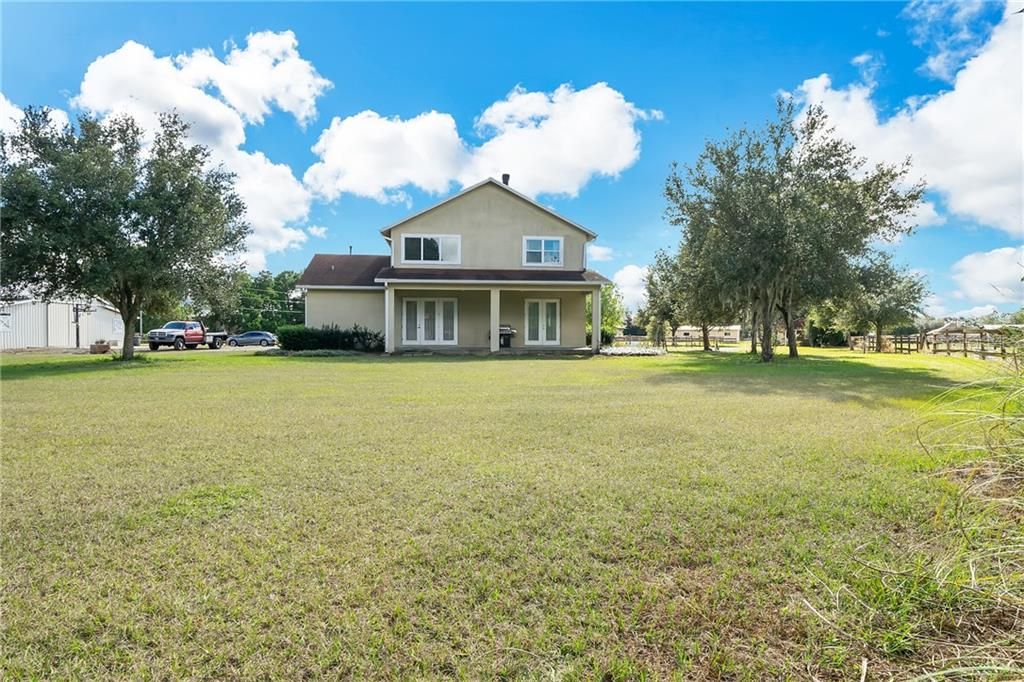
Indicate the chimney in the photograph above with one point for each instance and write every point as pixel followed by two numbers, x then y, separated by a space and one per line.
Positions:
pixel 504 178
pixel 350 249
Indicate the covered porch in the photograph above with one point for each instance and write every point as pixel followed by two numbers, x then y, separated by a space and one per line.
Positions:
pixel 468 317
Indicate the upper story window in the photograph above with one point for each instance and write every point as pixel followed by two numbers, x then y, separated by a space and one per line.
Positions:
pixel 542 251
pixel 432 248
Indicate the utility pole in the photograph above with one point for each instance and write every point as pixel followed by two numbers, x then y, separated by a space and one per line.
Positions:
pixel 78 309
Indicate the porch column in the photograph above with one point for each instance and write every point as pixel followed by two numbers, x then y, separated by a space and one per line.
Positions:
pixel 495 319
pixel 389 319
pixel 595 320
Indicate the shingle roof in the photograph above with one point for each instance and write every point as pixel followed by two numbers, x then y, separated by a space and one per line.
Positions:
pixel 470 275
pixel 328 269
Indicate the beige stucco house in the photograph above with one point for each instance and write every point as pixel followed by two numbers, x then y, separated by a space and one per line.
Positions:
pixel 486 269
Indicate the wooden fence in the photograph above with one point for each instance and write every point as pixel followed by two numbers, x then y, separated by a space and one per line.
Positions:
pixel 890 344
pixel 978 344
pixel 983 344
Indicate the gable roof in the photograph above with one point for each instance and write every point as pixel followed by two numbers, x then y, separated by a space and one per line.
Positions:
pixel 490 181
pixel 331 270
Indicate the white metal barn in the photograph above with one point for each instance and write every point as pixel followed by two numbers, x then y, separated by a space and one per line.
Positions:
pixel 38 324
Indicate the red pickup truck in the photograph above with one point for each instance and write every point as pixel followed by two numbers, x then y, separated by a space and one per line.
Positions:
pixel 185 334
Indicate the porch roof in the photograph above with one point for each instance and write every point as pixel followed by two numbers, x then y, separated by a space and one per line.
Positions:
pixel 480 276
pixel 331 270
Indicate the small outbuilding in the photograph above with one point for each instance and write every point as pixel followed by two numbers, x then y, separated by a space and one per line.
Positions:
pixel 32 323
pixel 726 333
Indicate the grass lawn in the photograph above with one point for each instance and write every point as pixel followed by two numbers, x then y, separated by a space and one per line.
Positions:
pixel 210 514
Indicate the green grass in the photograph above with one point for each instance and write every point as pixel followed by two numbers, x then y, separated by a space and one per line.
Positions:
pixel 223 515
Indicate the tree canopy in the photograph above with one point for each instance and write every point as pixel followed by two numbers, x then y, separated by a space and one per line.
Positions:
pixel 775 219
pixel 106 210
pixel 882 296
pixel 613 311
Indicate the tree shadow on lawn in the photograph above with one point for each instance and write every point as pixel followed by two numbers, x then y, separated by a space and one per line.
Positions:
pixel 824 378
pixel 53 366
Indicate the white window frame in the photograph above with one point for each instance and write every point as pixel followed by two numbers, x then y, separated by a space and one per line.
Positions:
pixel 442 263
pixel 438 322
pixel 541 341
pixel 561 252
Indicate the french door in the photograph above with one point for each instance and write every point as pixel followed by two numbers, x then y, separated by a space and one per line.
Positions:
pixel 543 322
pixel 430 322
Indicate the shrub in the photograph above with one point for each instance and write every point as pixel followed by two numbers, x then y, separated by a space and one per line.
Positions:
pixel 299 337
pixel 607 337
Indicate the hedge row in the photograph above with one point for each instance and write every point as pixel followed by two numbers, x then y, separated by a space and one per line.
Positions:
pixel 299 337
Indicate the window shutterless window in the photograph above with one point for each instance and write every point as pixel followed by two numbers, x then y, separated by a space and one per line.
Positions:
pixel 542 251
pixel 437 248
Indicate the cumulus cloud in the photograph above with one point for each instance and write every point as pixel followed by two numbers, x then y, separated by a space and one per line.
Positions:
pixel 11 115
pixel 371 156
pixel 993 276
pixel 552 143
pixel 555 143
pixel 632 283
pixel 317 231
pixel 599 253
pixel 965 141
pixel 219 98
pixel 267 71
pixel 976 311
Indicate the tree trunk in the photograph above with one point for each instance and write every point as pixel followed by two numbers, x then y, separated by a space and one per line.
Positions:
pixel 790 334
pixel 878 337
pixel 128 343
pixel 674 334
pixel 705 336
pixel 767 333
pixel 753 331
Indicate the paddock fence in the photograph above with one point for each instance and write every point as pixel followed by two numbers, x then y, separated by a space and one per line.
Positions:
pixel 976 344
pixel 890 343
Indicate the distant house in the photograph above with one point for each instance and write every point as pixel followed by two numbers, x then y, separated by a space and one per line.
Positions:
pixel 32 323
pixel 486 269
pixel 726 333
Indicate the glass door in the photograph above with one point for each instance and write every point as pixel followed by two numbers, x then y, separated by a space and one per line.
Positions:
pixel 430 322
pixel 543 323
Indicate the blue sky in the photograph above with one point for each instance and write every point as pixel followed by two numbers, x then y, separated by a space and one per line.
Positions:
pixel 585 104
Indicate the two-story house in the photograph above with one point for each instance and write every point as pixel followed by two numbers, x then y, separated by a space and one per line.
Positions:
pixel 463 274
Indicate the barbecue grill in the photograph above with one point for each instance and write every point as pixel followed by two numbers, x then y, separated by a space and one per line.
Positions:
pixel 505 334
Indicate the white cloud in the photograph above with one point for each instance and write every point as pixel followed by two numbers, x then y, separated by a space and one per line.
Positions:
pixel 599 253
pixel 976 311
pixel 556 143
pixel 268 70
pixel 133 80
pixel 992 275
pixel 274 201
pixel 371 156
pixel 934 306
pixel 317 231
pixel 632 283
pixel 11 115
pixel 868 64
pixel 218 98
pixel 965 142
pixel 551 143
pixel 951 30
